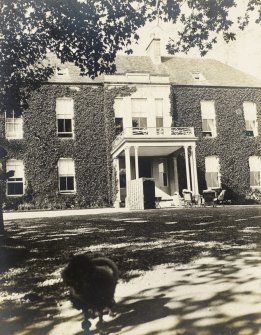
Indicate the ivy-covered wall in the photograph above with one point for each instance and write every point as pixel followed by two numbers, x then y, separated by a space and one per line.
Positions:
pixel 231 145
pixel 40 149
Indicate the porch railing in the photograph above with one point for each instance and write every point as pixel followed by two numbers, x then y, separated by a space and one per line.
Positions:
pixel 159 132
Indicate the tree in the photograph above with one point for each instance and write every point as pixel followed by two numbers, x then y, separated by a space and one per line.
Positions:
pixel 89 33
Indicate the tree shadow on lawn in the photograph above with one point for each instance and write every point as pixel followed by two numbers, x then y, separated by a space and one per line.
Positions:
pixel 134 246
pixel 208 299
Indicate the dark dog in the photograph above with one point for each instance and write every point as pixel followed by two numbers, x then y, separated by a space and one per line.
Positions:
pixel 92 283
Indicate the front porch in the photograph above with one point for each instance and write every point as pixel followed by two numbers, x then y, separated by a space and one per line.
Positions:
pixel 152 153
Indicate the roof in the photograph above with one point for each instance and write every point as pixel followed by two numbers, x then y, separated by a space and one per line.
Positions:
pixel 139 64
pixel 179 69
pixel 214 73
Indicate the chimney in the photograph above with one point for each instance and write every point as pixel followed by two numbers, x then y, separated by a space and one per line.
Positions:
pixel 153 50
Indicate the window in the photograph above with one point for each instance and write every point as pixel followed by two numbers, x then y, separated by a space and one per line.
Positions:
pixel 163 176
pixel 15 184
pixel 250 118
pixel 118 125
pixel 64 116
pixel 159 116
pixel 13 127
pixel 198 76
pixel 208 118
pixel 139 119
pixel 122 178
pixel 139 125
pixel 62 72
pixel 138 106
pixel 118 107
pixel 255 171
pixel 212 172
pixel 66 172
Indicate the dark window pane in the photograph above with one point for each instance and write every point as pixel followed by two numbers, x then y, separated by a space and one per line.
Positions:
pixel 15 189
pixel 135 123
pixel 68 125
pixel 70 183
pixel 61 125
pixel 63 184
pixel 118 125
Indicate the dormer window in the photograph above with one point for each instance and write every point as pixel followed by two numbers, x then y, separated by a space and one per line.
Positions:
pixel 198 76
pixel 62 72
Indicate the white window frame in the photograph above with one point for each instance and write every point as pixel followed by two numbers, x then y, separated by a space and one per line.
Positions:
pixel 255 167
pixel 208 114
pixel 13 122
pixel 18 178
pixel 65 172
pixel 250 115
pixel 66 115
pixel 212 165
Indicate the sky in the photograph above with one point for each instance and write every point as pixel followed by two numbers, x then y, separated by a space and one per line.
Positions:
pixel 244 53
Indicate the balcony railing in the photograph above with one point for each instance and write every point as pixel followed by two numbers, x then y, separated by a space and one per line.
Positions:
pixel 159 132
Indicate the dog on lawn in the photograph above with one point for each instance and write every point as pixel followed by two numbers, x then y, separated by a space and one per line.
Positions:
pixel 92 283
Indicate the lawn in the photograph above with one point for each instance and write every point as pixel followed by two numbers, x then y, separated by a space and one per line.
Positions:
pixel 37 249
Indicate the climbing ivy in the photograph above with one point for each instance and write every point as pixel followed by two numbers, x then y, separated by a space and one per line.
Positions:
pixel 90 148
pixel 231 145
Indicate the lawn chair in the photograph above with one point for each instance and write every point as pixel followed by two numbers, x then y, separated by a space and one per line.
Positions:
pixel 209 196
pixel 220 199
pixel 187 195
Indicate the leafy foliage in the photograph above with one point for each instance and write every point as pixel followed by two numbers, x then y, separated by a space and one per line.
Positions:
pixel 90 32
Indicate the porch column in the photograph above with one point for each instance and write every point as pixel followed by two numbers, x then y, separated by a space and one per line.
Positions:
pixel 187 168
pixel 192 173
pixel 128 173
pixel 176 179
pixel 127 166
pixel 193 151
pixel 116 164
pixel 136 162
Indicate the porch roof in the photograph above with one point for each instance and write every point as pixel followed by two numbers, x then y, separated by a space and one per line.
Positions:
pixel 152 145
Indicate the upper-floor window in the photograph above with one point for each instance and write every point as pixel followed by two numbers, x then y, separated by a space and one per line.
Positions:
pixel 64 117
pixel 255 171
pixel 66 172
pixel 138 106
pixel 159 116
pixel 250 115
pixel 15 184
pixel 139 116
pixel 212 172
pixel 13 127
pixel 208 115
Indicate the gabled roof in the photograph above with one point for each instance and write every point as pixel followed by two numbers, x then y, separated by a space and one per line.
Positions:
pixel 179 69
pixel 214 72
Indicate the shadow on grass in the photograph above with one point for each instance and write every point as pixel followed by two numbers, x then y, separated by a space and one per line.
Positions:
pixel 12 252
pixel 162 238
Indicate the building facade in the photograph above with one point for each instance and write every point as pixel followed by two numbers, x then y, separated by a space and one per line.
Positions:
pixel 183 123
